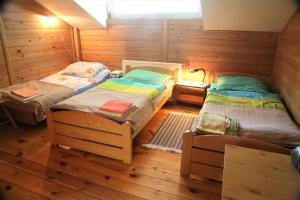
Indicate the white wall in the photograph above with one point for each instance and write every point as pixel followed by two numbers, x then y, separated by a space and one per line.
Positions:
pixel 247 15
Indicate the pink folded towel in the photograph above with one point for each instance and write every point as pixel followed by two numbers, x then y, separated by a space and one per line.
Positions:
pixel 116 106
pixel 25 92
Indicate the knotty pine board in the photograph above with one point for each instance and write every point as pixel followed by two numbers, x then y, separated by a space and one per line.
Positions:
pixel 4 78
pixel 182 41
pixel 286 73
pixel 34 50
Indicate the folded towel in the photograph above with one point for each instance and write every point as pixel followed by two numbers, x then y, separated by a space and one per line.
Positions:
pixel 25 92
pixel 122 115
pixel 116 106
pixel 215 124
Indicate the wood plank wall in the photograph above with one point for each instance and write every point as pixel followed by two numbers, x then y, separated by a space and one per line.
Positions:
pixel 34 49
pixel 4 79
pixel 286 73
pixel 182 41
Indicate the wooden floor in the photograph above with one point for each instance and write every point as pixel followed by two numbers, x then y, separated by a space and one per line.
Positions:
pixel 30 169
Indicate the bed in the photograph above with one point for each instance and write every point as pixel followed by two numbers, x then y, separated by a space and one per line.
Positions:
pixel 264 124
pixel 55 88
pixel 74 122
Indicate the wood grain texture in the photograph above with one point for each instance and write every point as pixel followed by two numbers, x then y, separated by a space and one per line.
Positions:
pixel 4 78
pixel 203 155
pixel 35 50
pixel 34 170
pixel 96 134
pixel 286 73
pixel 253 174
pixel 182 41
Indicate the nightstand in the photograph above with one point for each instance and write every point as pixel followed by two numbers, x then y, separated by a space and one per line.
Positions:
pixel 189 92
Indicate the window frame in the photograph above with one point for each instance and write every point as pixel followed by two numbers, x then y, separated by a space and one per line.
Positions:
pixel 183 15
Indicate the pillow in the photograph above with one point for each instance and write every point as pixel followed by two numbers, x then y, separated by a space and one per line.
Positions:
pixel 213 86
pixel 241 83
pixel 100 76
pixel 147 77
pixel 84 69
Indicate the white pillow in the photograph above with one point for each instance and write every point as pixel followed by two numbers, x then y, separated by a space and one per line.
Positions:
pixel 83 69
pixel 100 76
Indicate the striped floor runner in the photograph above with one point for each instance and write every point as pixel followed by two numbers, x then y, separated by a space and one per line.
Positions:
pixel 169 135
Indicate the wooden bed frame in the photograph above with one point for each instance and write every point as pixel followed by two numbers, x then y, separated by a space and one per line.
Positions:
pixel 203 155
pixel 96 134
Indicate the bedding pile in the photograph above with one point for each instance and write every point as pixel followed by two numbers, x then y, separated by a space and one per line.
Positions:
pixel 261 114
pixel 117 110
pixel 25 94
pixel 79 76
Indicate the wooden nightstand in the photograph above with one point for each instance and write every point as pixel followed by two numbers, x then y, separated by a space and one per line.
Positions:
pixel 190 92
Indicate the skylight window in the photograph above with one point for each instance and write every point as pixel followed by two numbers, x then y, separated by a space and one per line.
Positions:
pixel 155 9
pixel 96 8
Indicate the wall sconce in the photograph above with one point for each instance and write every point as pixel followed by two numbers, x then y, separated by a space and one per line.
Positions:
pixel 49 21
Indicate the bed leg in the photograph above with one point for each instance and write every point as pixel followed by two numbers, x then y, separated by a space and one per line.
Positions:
pixel 186 154
pixel 127 144
pixel 50 127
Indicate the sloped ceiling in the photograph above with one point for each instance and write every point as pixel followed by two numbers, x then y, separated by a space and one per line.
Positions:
pixel 247 15
pixel 242 15
pixel 75 15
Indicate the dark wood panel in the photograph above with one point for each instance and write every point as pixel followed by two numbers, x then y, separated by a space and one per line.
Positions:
pixel 286 73
pixel 4 78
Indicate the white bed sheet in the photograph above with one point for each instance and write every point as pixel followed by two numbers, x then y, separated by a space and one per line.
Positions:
pixel 73 82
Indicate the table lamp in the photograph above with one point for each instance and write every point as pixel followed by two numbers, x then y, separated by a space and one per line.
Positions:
pixel 195 70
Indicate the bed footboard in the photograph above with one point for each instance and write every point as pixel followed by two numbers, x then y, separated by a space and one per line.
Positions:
pixel 91 133
pixel 203 155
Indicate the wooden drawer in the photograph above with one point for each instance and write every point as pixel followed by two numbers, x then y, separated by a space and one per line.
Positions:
pixel 198 100
pixel 192 95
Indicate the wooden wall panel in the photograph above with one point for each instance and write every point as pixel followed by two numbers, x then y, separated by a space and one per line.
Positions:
pixel 181 41
pixel 135 39
pixel 4 79
pixel 286 73
pixel 34 49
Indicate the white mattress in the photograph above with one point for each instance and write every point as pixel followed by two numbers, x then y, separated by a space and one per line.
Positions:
pixel 73 82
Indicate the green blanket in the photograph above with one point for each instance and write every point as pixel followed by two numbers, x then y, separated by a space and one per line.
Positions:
pixel 130 86
pixel 264 101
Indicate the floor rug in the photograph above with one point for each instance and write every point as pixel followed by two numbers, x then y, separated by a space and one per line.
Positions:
pixel 169 135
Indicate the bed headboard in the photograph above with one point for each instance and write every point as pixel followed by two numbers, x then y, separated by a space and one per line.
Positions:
pixel 173 69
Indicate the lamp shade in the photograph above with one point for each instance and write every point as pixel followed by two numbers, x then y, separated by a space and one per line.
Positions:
pixel 193 75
